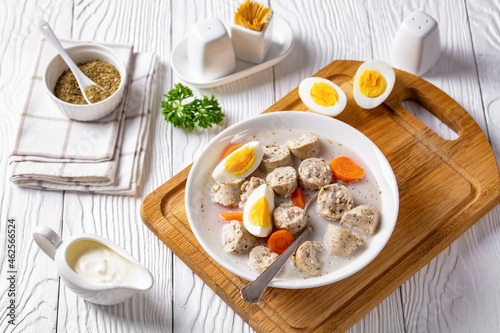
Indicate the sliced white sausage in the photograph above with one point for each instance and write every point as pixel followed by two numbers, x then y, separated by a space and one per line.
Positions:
pixel 305 258
pixel 304 147
pixel 283 180
pixel 236 238
pixel 365 218
pixel 340 241
pixel 314 173
pixel 333 201
pixel 289 217
pixel 261 258
pixel 227 194
pixel 275 156
pixel 247 188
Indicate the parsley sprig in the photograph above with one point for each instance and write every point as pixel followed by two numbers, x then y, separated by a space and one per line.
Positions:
pixel 198 112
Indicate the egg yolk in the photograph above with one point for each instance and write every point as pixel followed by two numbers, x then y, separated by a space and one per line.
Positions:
pixel 260 213
pixel 240 161
pixel 324 94
pixel 371 83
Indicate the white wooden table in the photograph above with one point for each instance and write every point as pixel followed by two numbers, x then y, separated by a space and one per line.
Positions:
pixel 458 291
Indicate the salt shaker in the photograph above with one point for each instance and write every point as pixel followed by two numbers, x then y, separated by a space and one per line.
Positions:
pixel 210 51
pixel 417 45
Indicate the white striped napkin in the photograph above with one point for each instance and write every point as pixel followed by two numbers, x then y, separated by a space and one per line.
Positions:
pixel 115 171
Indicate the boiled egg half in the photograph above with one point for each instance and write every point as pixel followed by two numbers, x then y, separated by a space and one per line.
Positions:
pixel 322 96
pixel 240 163
pixel 258 211
pixel 373 83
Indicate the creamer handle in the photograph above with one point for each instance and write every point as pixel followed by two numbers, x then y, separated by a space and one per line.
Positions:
pixel 47 239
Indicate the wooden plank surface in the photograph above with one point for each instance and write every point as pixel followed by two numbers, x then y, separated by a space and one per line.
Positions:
pixel 37 288
pixel 146 25
pixel 457 290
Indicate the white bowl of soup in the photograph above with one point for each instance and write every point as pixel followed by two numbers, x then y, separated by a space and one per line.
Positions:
pixel 377 187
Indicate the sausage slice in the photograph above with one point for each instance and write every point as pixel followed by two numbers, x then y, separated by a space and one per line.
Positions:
pixel 289 217
pixel 236 238
pixel 261 258
pixel 275 156
pixel 333 201
pixel 314 173
pixel 365 218
pixel 247 188
pixel 227 194
pixel 304 147
pixel 283 180
pixel 305 258
pixel 340 241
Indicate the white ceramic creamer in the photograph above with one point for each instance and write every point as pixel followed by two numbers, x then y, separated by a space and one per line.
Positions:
pixel 93 267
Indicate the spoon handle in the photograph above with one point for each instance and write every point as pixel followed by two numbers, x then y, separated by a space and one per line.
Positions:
pixel 252 292
pixel 47 32
pixel 51 37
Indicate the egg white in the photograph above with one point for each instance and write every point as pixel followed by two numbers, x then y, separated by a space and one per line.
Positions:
pixel 305 95
pixel 221 175
pixel 386 71
pixel 262 191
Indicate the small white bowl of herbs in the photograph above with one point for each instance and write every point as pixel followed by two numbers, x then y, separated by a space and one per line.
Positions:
pixel 103 66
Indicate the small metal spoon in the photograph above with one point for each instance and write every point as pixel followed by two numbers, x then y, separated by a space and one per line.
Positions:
pixel 252 292
pixel 83 80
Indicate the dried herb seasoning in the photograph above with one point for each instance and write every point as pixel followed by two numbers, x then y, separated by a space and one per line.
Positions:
pixel 102 73
pixel 96 94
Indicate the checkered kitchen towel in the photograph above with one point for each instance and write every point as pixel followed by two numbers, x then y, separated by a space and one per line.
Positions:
pixel 46 135
pixel 81 156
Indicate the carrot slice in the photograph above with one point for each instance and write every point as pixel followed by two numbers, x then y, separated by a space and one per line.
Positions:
pixel 230 150
pixel 345 170
pixel 279 241
pixel 298 198
pixel 230 216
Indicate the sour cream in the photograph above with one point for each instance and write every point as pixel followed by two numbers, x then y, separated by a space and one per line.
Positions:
pixel 96 262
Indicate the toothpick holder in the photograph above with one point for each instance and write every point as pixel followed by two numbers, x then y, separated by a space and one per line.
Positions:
pixel 250 45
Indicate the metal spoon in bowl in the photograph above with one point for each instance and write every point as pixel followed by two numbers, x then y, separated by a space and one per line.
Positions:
pixel 252 292
pixel 83 80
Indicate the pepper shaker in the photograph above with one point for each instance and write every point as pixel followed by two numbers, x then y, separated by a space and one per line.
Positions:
pixel 417 45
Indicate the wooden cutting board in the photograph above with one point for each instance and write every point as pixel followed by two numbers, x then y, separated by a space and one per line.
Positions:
pixel 444 187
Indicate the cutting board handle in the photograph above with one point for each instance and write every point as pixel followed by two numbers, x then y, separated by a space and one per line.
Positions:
pixel 446 109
